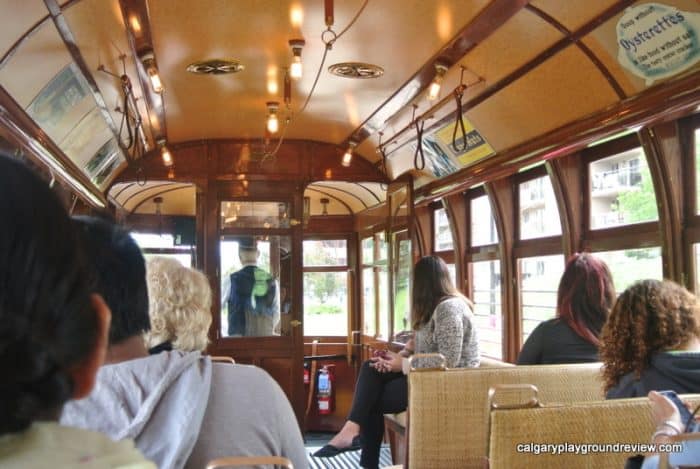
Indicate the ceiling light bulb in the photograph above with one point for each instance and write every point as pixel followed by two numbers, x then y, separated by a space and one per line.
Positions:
pixel 148 59
pixel 347 157
pixel 166 156
pixel 295 70
pixel 273 124
pixel 155 80
pixel 434 90
pixel 135 25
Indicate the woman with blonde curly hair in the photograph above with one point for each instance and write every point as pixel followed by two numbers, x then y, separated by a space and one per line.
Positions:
pixel 179 306
pixel 651 341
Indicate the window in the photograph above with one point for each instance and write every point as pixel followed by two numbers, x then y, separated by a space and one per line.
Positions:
pixel 629 265
pixel 453 275
pixel 326 286
pixel 621 191
pixel 402 285
pixel 369 301
pixel 441 231
pixel 483 233
pixel 623 229
pixel 539 215
pixel 486 295
pixel 155 245
pixel 375 285
pixel 268 254
pixel 484 274
pixel 382 271
pixel 331 252
pixel 539 281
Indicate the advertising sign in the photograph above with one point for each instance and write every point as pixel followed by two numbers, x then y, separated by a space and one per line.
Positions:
pixel 656 41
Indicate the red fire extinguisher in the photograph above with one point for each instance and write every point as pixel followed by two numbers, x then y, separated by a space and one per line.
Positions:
pixel 307 373
pixel 324 391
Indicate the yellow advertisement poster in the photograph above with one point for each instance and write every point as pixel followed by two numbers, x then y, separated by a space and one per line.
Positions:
pixel 471 146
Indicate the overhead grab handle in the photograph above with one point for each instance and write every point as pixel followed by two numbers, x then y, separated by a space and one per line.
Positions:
pixel 455 96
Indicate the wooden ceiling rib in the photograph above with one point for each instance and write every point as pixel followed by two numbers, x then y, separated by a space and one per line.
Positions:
pixel 342 191
pixel 139 192
pixel 27 34
pixel 584 48
pixel 486 22
pixel 370 191
pixel 337 199
pixel 140 44
pixel 157 194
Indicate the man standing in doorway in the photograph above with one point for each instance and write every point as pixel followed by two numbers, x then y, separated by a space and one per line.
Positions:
pixel 253 301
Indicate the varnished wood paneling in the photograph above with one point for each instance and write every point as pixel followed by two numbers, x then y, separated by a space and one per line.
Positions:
pixel 344 386
pixel 661 145
pixel 500 194
pixel 455 206
pixel 567 183
pixel 298 161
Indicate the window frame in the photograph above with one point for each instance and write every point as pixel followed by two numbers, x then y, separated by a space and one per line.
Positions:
pixel 375 265
pixel 528 248
pixel 483 253
pixel 543 246
pixel 631 236
pixel 331 269
pixel 691 231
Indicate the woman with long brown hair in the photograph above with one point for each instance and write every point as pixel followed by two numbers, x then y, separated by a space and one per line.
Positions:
pixel 442 321
pixel 651 341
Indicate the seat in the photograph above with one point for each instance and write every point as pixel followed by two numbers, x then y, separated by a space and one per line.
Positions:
pixel 583 435
pixel 448 411
pixel 238 461
pixel 222 359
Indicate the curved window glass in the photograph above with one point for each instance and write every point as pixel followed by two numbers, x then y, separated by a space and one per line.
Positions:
pixel 539 215
pixel 621 191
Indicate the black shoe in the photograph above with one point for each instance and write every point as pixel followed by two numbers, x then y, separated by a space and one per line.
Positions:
pixel 330 451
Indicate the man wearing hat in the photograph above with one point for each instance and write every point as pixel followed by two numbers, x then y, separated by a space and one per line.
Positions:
pixel 253 302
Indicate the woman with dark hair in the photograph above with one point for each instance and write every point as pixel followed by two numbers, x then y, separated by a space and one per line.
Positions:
pixel 584 298
pixel 442 323
pixel 53 332
pixel 651 341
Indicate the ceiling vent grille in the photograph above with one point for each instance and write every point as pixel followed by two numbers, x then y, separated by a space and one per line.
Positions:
pixel 356 70
pixel 216 67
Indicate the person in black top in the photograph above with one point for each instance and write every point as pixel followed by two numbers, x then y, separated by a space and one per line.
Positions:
pixel 584 299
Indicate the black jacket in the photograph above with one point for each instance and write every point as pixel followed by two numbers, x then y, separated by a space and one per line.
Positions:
pixel 678 372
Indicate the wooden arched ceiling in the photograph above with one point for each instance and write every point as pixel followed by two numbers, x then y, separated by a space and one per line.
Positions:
pixel 535 66
pixel 344 197
pixel 178 198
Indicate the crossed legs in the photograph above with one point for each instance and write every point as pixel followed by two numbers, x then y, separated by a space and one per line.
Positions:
pixel 375 394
